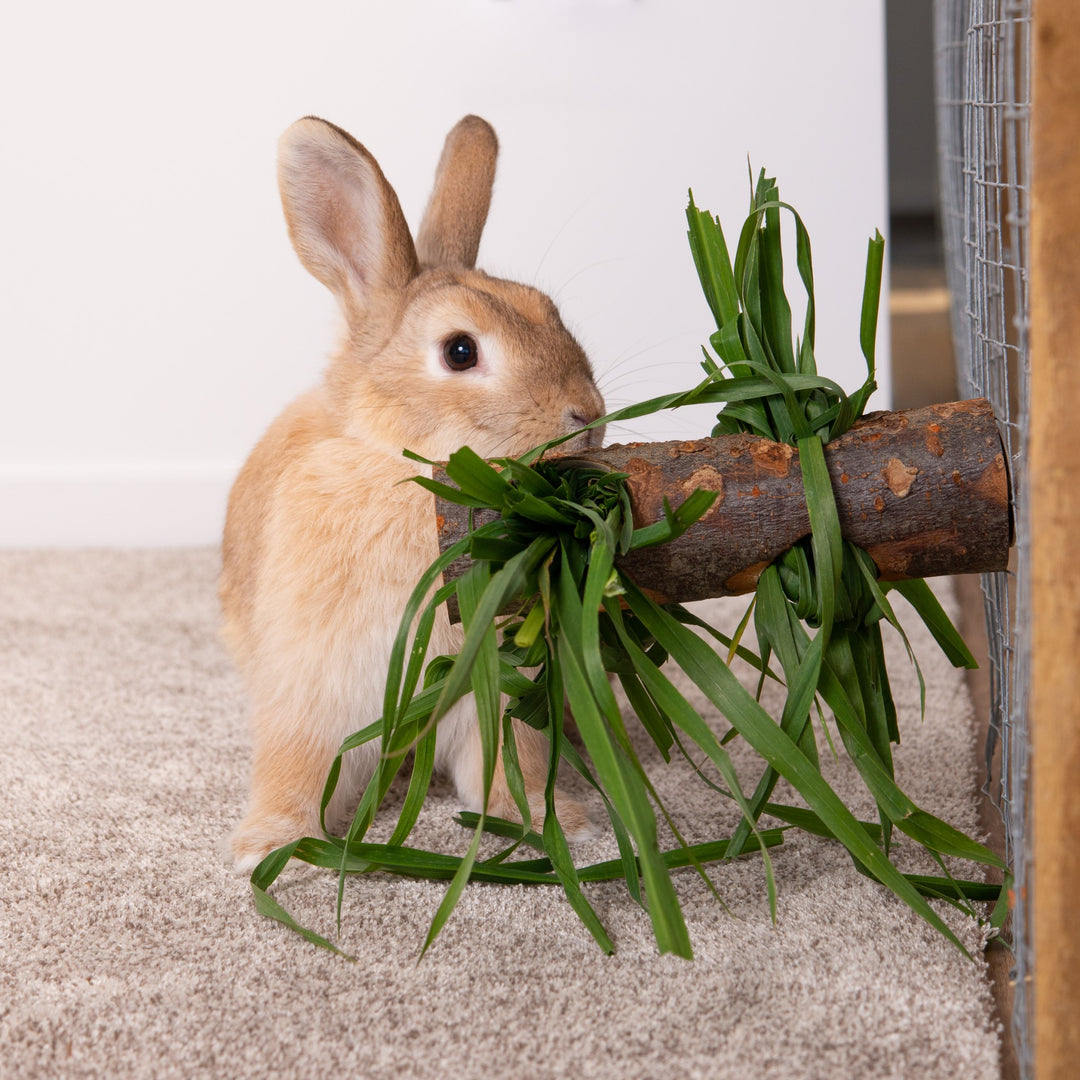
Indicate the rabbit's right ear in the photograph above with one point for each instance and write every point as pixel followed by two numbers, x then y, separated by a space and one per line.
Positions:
pixel 344 219
pixel 454 219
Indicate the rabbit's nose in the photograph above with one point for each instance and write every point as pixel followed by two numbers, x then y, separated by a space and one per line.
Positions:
pixel 576 418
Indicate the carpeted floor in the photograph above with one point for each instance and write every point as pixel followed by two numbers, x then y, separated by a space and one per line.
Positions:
pixel 129 949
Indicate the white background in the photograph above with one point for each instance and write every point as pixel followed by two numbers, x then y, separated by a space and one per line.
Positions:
pixel 153 317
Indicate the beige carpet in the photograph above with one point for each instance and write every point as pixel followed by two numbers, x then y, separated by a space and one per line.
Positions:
pixel 128 948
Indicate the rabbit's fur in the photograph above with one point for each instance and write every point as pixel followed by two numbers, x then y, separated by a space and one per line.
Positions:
pixel 323 544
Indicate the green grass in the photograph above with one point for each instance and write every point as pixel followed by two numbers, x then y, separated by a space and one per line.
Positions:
pixel 551 556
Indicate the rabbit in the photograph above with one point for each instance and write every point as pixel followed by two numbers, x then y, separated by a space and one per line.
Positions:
pixel 323 543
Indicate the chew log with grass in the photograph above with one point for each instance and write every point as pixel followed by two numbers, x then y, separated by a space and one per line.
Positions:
pixel 547 542
pixel 924 492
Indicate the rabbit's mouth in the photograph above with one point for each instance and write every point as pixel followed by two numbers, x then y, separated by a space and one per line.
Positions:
pixel 588 439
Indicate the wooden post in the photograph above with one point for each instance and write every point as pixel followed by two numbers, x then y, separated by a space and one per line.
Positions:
pixel 1055 524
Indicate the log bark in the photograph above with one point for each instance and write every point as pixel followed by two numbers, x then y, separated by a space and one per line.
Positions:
pixel 925 492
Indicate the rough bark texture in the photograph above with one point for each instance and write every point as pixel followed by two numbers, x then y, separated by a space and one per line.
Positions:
pixel 924 491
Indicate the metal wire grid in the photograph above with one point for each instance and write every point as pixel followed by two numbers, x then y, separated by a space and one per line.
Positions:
pixel 984 107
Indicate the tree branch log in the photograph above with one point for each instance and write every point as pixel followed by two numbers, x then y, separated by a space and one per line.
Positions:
pixel 925 492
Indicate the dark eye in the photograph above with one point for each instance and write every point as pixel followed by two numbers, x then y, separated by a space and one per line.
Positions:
pixel 460 352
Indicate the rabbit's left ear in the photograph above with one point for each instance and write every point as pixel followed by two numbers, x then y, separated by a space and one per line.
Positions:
pixel 454 219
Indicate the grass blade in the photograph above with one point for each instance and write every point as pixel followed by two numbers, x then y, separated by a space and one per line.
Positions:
pixel 758 728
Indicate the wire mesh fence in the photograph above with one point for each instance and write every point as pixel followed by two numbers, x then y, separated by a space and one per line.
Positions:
pixel 983 94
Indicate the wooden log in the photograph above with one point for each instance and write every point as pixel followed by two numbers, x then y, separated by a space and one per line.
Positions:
pixel 925 492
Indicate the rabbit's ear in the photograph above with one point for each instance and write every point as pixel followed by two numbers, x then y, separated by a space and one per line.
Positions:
pixel 454 219
pixel 344 219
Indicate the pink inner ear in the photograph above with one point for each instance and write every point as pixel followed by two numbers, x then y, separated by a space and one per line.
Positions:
pixel 344 218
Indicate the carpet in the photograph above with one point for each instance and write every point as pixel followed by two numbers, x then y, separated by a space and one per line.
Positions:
pixel 129 948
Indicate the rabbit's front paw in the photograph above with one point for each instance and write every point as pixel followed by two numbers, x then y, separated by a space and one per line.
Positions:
pixel 256 836
pixel 576 821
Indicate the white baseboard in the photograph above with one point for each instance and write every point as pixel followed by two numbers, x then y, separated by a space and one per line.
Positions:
pixel 156 504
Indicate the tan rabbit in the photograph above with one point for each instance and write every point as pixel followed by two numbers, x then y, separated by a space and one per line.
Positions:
pixel 322 543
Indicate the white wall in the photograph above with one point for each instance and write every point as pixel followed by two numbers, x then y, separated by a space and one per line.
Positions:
pixel 153 317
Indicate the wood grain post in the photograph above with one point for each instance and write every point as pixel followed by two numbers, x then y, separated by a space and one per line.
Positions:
pixel 1055 524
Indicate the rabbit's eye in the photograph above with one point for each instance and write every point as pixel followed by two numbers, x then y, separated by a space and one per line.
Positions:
pixel 460 352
